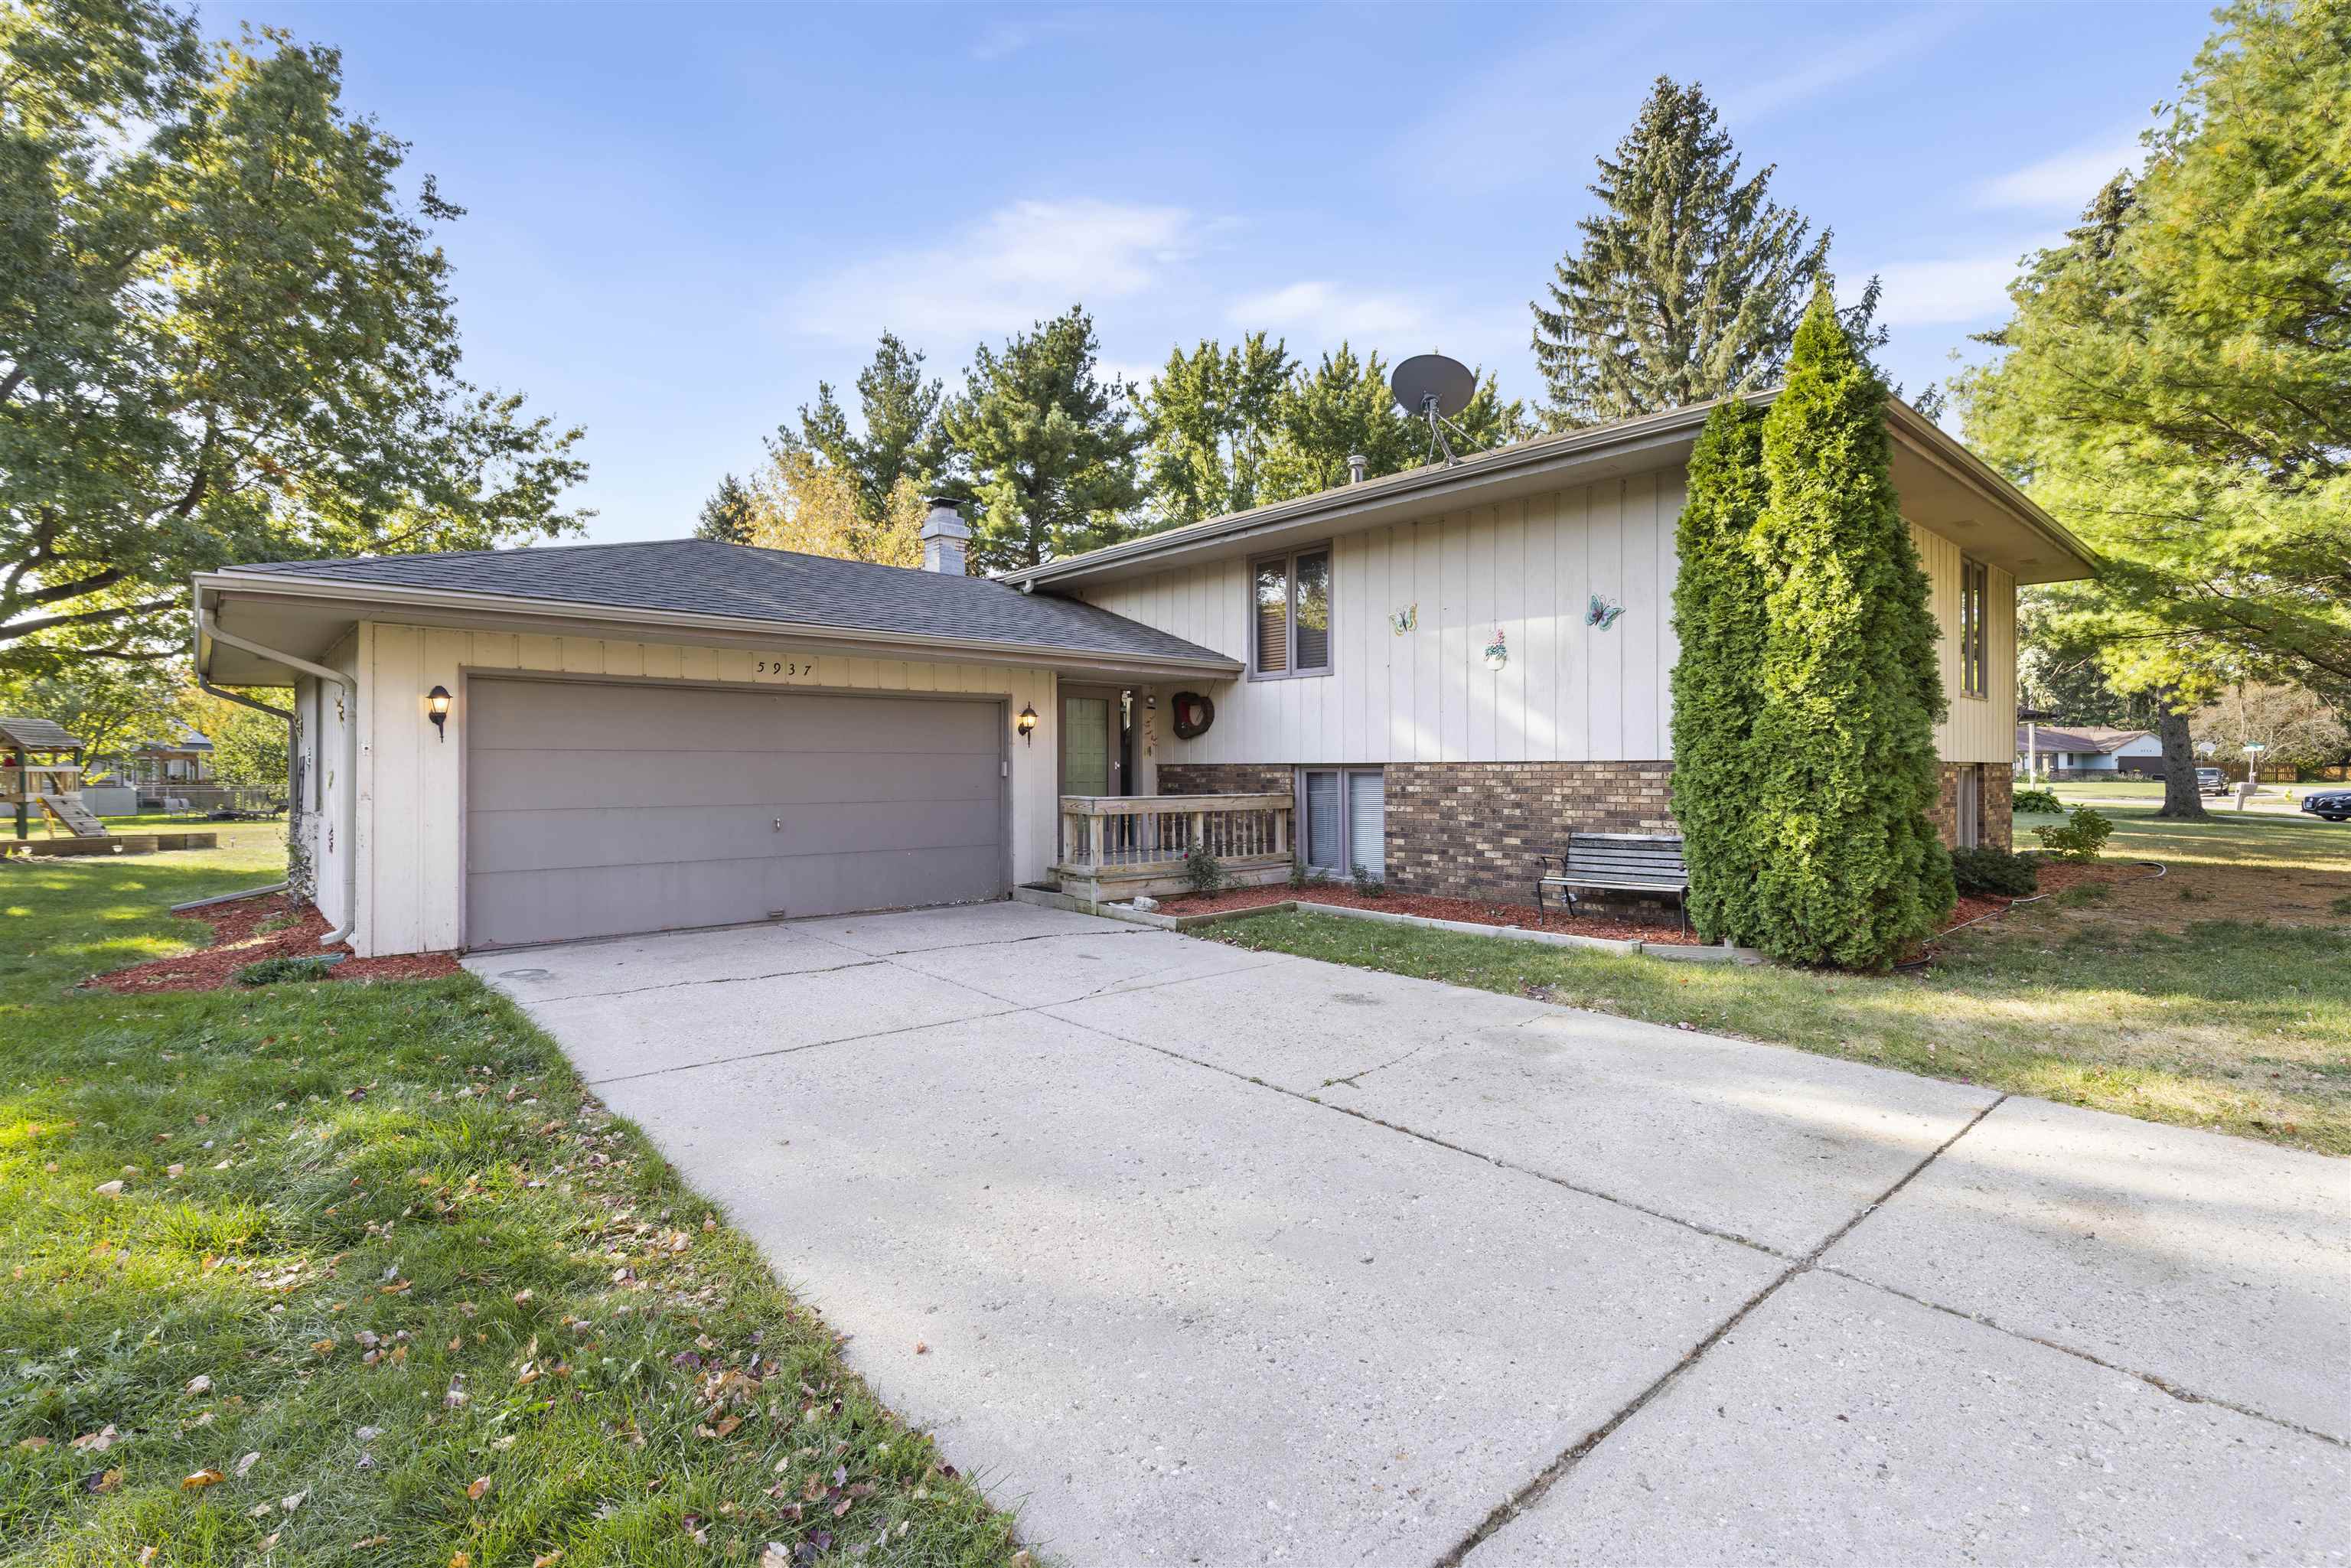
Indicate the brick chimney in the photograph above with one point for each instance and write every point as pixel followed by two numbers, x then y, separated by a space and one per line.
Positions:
pixel 943 537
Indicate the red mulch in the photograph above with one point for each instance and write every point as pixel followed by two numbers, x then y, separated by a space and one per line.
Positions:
pixel 2056 876
pixel 1478 912
pixel 238 940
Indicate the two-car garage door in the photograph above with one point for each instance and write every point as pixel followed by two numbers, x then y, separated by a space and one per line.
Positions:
pixel 595 808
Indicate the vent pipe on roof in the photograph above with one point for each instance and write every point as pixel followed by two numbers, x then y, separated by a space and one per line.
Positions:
pixel 1356 464
pixel 943 537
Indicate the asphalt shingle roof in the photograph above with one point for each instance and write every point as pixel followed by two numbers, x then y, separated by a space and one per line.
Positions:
pixel 703 577
pixel 35 734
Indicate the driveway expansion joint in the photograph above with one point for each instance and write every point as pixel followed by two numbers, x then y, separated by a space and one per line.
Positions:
pixel 1526 1497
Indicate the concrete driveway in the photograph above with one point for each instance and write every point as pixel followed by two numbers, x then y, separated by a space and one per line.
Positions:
pixel 1232 1258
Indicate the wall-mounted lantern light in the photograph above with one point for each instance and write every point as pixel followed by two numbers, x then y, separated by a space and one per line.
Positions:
pixel 1027 723
pixel 436 708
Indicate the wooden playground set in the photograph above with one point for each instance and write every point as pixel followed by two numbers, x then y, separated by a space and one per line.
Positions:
pixel 40 781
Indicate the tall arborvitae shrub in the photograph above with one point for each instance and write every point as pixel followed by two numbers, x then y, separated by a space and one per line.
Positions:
pixel 1851 871
pixel 1718 617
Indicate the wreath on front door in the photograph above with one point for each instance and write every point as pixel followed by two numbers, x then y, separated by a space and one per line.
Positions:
pixel 1194 715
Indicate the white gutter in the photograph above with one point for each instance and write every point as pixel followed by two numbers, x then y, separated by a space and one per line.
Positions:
pixel 208 627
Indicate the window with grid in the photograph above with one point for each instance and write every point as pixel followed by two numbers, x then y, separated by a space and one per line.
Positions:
pixel 1975 596
pixel 1290 607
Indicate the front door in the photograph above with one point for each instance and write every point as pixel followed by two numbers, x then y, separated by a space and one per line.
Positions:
pixel 1090 743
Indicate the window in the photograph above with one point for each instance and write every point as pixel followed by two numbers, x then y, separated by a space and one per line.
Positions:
pixel 1289 607
pixel 1975 594
pixel 1343 820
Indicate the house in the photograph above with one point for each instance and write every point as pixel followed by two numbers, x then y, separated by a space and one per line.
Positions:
pixel 1433 676
pixel 2089 748
pixel 183 758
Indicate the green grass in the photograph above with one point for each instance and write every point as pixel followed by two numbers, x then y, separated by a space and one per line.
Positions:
pixel 388 1195
pixel 2229 1010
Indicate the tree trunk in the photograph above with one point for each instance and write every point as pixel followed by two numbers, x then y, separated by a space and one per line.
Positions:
pixel 2179 797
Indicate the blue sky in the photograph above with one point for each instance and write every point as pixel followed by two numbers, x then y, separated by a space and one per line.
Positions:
pixel 682 217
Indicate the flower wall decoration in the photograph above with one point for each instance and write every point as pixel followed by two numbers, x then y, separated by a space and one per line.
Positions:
pixel 1498 652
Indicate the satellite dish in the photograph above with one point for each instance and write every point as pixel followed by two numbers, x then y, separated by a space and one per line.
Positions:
pixel 1434 388
pixel 1431 381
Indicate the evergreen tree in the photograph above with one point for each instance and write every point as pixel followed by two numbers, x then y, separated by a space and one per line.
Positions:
pixel 1211 415
pixel 1687 286
pixel 1344 408
pixel 2176 379
pixel 728 515
pixel 1045 451
pixel 1850 868
pixel 902 436
pixel 1719 618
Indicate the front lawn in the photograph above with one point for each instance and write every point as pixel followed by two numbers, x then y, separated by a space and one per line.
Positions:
pixel 382 1284
pixel 2216 995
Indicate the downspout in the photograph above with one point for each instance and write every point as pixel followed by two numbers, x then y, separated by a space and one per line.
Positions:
pixel 208 627
pixel 293 770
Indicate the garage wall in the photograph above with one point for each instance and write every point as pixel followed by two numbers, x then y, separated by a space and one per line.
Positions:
pixel 412 868
pixel 320 711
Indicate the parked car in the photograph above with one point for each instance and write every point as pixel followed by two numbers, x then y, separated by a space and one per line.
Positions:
pixel 2334 805
pixel 2211 781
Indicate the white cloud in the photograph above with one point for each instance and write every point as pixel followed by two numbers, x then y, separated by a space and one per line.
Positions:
pixel 1005 38
pixel 1018 264
pixel 2066 180
pixel 1942 292
pixel 1830 68
pixel 1327 312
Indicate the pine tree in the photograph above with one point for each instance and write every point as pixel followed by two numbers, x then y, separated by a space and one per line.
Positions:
pixel 902 437
pixel 1719 619
pixel 1046 451
pixel 1687 286
pixel 728 515
pixel 1342 408
pixel 1211 418
pixel 1850 868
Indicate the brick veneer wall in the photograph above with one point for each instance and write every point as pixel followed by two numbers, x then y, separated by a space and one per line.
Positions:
pixel 1473 829
pixel 1224 779
pixel 1996 828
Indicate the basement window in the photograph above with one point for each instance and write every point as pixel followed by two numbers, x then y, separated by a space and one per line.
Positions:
pixel 1290 614
pixel 1342 818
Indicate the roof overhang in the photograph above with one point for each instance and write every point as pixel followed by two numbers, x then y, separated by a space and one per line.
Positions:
pixel 307 617
pixel 1943 487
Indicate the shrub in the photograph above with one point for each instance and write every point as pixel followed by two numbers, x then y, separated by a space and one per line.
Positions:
pixel 1368 885
pixel 1850 868
pixel 2079 837
pixel 1204 871
pixel 275 971
pixel 1719 591
pixel 1993 871
pixel 2042 803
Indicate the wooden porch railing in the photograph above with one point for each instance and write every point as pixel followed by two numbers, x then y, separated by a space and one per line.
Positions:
pixel 1116 846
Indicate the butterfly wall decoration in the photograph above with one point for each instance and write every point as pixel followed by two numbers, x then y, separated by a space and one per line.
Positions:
pixel 1403 621
pixel 1604 613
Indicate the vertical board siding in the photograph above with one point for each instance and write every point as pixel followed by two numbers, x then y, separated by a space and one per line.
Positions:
pixel 412 851
pixel 1571 692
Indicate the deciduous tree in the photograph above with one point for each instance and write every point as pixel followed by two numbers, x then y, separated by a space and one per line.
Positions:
pixel 223 336
pixel 2177 381
pixel 1211 417
pixel 1342 408
pixel 813 508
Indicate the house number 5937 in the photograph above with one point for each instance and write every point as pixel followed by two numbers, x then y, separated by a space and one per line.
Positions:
pixel 785 666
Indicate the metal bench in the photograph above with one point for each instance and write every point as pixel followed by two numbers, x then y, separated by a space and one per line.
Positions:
pixel 1618 863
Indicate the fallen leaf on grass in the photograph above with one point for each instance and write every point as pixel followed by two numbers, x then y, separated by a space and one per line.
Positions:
pixel 546 1560
pixel 199 1385
pixel 109 1189
pixel 475 1492
pixel 104 1481
pixel 201 1479
pixel 97 1442
pixel 247 1463
pixel 34 1445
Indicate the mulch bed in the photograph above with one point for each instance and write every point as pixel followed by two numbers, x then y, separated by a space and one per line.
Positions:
pixel 1475 911
pixel 2056 876
pixel 238 940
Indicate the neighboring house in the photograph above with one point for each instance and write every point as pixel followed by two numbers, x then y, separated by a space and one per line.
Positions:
pixel 184 760
pixel 2089 748
pixel 1435 675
